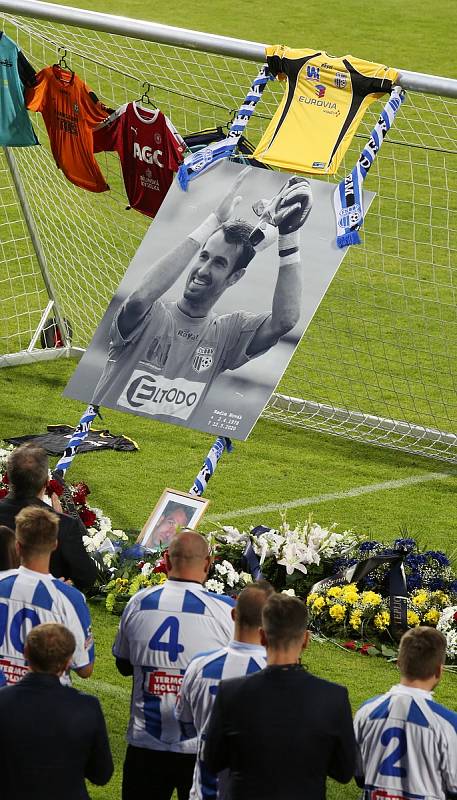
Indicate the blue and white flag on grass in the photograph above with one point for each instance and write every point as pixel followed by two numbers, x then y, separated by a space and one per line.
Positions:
pixel 348 197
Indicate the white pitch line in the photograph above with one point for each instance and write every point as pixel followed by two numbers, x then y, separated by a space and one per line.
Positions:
pixel 324 498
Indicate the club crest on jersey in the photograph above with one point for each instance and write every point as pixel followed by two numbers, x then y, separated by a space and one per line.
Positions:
pixel 203 359
pixel 158 138
pixel 341 80
pixel 319 89
pixel 76 108
pixel 147 154
pixel 312 73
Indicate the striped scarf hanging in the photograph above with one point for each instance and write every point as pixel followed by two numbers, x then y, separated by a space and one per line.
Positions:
pixel 197 163
pixel 348 197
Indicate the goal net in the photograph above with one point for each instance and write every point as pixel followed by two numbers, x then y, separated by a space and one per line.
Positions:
pixel 379 361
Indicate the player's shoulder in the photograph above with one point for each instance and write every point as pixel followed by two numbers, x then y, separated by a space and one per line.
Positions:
pixel 147 599
pixel 374 707
pixel 201 661
pixel 443 713
pixel 7 581
pixel 217 603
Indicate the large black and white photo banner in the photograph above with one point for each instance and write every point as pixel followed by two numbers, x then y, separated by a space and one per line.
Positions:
pixel 215 301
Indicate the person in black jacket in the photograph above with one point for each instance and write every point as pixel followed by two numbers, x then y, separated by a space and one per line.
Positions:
pixel 281 731
pixel 52 736
pixel 28 470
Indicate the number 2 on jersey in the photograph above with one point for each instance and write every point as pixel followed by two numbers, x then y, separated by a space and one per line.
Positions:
pixel 169 645
pixel 388 765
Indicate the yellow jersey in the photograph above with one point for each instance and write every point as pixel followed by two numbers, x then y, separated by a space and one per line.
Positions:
pixel 321 109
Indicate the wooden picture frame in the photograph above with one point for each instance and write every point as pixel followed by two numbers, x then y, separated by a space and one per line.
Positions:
pixel 173 510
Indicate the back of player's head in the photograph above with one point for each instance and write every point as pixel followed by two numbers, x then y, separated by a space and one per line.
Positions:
pixel 284 620
pixel 250 602
pixel 237 232
pixel 421 654
pixel 36 531
pixel 8 555
pixel 48 648
pixel 28 467
pixel 187 549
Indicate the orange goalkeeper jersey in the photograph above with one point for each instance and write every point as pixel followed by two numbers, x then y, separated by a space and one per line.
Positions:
pixel 320 111
pixel 70 113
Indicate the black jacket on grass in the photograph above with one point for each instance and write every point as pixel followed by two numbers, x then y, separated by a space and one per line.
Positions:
pixel 70 560
pixel 280 732
pixel 51 738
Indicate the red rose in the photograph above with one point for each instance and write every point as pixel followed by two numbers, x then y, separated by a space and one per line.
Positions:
pixel 350 645
pixel 54 487
pixel 160 566
pixel 140 564
pixel 87 516
pixel 81 490
pixel 3 493
pixel 5 478
pixel 365 649
pixel 455 617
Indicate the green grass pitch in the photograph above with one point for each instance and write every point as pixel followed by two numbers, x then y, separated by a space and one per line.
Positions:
pixel 278 464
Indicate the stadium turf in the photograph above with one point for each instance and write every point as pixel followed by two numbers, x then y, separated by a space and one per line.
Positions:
pixel 324 475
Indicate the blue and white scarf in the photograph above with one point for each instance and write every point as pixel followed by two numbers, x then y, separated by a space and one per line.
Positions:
pixel 197 163
pixel 348 197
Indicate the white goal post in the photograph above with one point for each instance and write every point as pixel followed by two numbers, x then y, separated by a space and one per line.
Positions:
pixel 379 361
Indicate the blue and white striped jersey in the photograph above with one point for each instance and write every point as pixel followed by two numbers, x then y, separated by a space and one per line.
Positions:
pixel 29 598
pixel 161 630
pixel 196 698
pixel 407 746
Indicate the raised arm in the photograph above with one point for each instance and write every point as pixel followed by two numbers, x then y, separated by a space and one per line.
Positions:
pixel 163 274
pixel 288 211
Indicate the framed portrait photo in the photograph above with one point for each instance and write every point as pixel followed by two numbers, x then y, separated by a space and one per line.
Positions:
pixel 174 510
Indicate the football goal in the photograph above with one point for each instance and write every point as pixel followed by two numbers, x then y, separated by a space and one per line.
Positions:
pixel 379 361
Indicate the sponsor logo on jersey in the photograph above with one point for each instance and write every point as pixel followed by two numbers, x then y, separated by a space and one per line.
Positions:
pixel 154 394
pixel 6 63
pixel 319 89
pixel 203 359
pixel 326 66
pixel 340 80
pixel 12 672
pixel 318 164
pixel 135 130
pixel 158 138
pixel 76 108
pixel 162 683
pixel 147 154
pixel 312 73
pixel 188 334
pixel 325 105
pixel 149 182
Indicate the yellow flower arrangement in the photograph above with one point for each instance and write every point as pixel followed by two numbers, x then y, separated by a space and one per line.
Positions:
pixel 318 605
pixel 335 591
pixel 419 598
pixel 349 594
pixel 371 599
pixel 381 620
pixel 338 612
pixel 355 620
pixel 412 619
pixel 311 598
pixel 432 616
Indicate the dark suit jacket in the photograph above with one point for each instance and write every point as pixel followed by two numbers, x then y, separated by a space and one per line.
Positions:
pixel 71 559
pixel 51 738
pixel 280 732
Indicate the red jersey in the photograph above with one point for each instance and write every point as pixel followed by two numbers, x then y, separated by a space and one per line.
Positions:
pixel 150 150
pixel 70 112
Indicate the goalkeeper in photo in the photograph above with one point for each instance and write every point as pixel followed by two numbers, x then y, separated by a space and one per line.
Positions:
pixel 165 354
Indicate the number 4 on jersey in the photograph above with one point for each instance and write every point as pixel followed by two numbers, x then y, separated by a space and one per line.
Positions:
pixel 167 644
